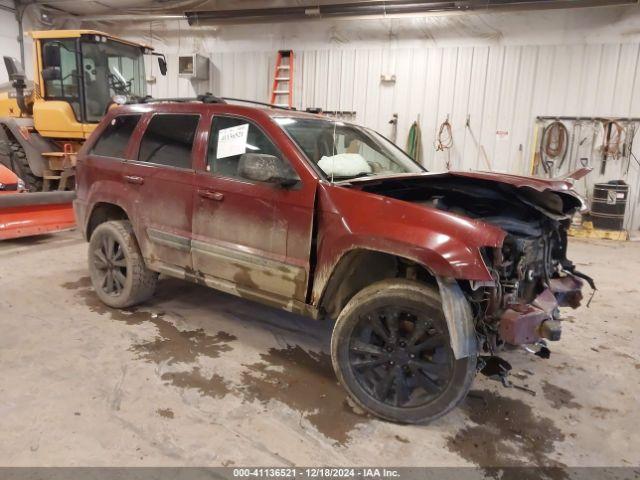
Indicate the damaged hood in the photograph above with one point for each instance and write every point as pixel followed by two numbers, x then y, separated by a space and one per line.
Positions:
pixel 519 181
pixel 555 198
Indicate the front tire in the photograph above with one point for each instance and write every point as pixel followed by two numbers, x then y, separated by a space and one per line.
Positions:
pixel 20 166
pixel 118 272
pixel 391 351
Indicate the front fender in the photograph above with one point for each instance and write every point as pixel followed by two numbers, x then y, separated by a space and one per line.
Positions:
pixel 446 245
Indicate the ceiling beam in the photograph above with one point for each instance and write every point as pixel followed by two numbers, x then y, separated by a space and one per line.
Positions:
pixel 354 9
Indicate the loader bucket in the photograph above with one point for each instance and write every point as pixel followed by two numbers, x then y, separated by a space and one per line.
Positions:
pixel 27 214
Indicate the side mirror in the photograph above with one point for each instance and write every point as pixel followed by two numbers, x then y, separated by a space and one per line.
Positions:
pixel 266 168
pixel 162 63
pixel 51 56
pixel 14 69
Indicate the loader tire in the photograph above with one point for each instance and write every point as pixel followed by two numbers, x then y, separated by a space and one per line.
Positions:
pixel 20 166
pixel 118 272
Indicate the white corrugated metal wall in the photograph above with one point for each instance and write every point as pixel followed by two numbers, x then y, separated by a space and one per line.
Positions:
pixel 499 90
pixel 8 35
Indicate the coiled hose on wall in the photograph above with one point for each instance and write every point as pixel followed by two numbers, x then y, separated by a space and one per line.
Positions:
pixel 553 145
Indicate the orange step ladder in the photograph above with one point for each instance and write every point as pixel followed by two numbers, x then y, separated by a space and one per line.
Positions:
pixel 282 89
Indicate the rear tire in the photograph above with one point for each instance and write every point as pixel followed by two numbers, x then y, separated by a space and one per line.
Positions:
pixel 391 351
pixel 118 272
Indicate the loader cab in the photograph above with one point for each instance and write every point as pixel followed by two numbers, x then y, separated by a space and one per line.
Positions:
pixel 81 72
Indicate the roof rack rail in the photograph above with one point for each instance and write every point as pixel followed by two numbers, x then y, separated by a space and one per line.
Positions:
pixel 205 98
pixel 211 98
pixel 265 104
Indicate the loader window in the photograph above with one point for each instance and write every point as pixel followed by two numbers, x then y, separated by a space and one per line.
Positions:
pixel 63 82
pixel 110 68
pixel 113 141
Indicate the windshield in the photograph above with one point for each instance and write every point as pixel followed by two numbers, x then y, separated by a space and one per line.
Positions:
pixel 110 68
pixel 344 151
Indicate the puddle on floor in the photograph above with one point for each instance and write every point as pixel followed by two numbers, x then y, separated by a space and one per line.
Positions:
pixel 559 397
pixel 82 282
pixel 603 412
pixel 171 345
pixel 304 381
pixel 181 346
pixel 214 386
pixel 507 434
pixel 165 412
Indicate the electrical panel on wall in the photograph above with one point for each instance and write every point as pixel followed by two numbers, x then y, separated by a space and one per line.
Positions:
pixel 193 67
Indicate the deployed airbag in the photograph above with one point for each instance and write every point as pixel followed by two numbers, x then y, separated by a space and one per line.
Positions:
pixel 344 165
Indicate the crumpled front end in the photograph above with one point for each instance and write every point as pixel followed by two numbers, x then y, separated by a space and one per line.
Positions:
pixel 531 275
pixel 532 279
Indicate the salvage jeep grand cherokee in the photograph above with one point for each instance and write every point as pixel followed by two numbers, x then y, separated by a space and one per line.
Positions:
pixel 420 271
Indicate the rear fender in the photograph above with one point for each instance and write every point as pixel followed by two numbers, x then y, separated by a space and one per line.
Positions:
pixel 85 216
pixel 34 145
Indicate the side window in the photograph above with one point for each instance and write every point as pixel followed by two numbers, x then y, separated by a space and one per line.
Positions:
pixel 168 140
pixel 62 82
pixel 230 139
pixel 114 139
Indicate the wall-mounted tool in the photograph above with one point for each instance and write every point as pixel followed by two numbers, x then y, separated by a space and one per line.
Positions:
pixel 414 141
pixel 611 143
pixel 627 150
pixel 553 146
pixel 481 151
pixel 394 127
pixel 444 140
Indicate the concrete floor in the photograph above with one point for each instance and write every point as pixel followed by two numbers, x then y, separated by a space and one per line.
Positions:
pixel 197 377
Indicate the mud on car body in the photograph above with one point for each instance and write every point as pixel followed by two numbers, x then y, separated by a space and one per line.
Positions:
pixel 421 272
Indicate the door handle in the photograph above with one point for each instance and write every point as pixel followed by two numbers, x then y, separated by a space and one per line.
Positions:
pixel 211 195
pixel 134 179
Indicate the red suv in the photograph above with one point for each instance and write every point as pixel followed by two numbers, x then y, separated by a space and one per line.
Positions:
pixel 420 271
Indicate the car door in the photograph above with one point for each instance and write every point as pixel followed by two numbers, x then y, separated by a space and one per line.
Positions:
pixel 161 175
pixel 251 238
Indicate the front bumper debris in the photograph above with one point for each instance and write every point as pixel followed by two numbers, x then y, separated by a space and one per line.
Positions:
pixel 527 323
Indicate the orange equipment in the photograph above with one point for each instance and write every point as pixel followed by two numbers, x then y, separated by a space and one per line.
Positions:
pixel 23 214
pixel 282 88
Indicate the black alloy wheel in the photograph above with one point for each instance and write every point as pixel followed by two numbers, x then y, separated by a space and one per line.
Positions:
pixel 400 356
pixel 110 261
pixel 391 350
pixel 118 270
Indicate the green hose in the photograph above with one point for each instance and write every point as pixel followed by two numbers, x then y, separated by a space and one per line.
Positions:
pixel 414 149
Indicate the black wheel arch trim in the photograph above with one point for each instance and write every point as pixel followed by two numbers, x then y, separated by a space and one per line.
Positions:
pixel 459 317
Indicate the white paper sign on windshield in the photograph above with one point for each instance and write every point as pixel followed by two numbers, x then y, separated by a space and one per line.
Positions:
pixel 232 141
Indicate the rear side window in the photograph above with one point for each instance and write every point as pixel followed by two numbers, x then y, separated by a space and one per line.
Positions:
pixel 168 140
pixel 114 139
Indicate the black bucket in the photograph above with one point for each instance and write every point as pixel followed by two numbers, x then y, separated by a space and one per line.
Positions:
pixel 609 204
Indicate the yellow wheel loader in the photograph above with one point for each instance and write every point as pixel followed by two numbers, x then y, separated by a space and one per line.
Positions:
pixel 79 74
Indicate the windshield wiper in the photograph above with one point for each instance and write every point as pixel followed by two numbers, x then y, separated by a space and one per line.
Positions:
pixel 351 177
pixel 362 174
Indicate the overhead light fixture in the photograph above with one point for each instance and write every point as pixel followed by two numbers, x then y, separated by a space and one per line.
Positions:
pixel 382 8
